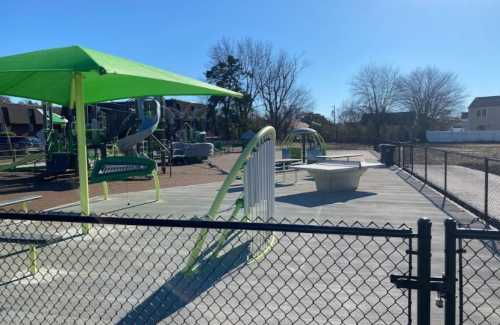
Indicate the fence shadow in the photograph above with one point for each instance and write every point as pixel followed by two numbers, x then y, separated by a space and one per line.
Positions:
pixel 182 289
pixel 437 199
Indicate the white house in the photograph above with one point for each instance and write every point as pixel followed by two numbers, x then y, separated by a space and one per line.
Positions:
pixel 484 114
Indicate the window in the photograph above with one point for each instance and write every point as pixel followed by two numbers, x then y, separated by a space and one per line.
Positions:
pixel 484 113
pixel 478 113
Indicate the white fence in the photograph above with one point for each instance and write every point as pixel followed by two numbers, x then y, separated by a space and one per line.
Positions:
pixel 463 136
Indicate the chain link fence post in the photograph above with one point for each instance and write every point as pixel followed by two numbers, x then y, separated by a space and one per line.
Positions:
pixel 424 272
pixel 486 186
pixel 450 269
pixel 412 158
pixel 445 174
pixel 425 164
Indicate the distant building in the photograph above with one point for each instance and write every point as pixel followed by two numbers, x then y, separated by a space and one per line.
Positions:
pixel 484 114
pixel 195 114
pixel 22 119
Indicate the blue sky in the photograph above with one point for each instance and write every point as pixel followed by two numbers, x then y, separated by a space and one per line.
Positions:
pixel 335 37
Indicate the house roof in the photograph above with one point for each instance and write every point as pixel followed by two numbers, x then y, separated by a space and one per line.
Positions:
pixel 485 101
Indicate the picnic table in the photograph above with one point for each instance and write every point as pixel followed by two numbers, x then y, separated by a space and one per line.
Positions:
pixel 337 176
pixel 283 166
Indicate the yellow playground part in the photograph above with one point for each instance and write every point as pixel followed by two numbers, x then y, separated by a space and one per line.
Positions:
pixel 304 144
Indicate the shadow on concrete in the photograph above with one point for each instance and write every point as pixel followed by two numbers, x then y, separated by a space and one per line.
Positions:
pixel 437 199
pixel 129 205
pixel 315 199
pixel 7 238
pixel 182 289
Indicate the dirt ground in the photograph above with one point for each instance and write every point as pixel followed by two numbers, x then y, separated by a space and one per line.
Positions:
pixel 63 190
pixel 479 149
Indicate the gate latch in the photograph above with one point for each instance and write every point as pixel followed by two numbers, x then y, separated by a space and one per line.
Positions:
pixel 437 284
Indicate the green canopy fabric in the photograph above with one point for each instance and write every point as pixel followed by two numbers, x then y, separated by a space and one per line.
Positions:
pixel 75 76
pixel 58 119
pixel 47 74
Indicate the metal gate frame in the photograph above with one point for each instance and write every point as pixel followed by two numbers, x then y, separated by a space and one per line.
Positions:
pixel 445 285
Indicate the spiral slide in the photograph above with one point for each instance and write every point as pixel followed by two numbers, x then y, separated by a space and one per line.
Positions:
pixel 148 125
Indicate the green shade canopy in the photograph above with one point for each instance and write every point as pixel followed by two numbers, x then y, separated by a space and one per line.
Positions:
pixel 47 75
pixel 75 76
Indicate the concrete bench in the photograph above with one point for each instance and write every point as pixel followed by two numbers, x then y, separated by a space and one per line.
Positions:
pixel 33 241
pixel 337 176
pixel 21 200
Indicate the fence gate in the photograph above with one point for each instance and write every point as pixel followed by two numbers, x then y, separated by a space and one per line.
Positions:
pixel 468 290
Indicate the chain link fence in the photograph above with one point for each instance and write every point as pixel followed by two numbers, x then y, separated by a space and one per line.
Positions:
pixel 472 181
pixel 478 275
pixel 130 271
pixel 494 188
pixel 466 179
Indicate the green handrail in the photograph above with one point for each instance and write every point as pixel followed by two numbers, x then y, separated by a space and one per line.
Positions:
pixel 265 134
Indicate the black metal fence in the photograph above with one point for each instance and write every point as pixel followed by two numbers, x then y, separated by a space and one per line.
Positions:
pixel 130 271
pixel 476 267
pixel 472 181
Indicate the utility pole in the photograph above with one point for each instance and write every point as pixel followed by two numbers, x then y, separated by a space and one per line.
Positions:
pixel 334 114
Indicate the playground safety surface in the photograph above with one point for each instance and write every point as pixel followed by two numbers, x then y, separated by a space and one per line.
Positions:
pixel 64 190
pixel 384 196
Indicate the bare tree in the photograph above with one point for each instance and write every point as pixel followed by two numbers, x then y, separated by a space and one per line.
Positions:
pixel 253 56
pixel 432 94
pixel 282 97
pixel 374 88
pixel 269 80
pixel 350 112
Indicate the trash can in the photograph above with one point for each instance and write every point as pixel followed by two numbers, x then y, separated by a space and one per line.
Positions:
pixel 387 154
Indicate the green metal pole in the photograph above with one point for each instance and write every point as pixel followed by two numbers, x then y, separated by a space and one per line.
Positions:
pixel 82 146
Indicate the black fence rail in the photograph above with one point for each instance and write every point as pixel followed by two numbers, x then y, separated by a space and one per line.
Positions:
pixel 472 181
pixel 131 271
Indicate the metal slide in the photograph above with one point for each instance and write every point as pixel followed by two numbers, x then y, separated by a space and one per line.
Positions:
pixel 147 126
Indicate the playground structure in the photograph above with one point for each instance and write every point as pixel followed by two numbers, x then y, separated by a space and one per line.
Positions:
pixel 75 77
pixel 304 144
pixel 147 123
pixel 256 167
pixel 131 164
pixel 28 152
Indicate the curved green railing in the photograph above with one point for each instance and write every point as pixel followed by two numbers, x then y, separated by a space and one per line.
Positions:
pixel 317 138
pixel 265 134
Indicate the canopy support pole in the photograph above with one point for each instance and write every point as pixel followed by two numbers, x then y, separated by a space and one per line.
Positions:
pixel 82 146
